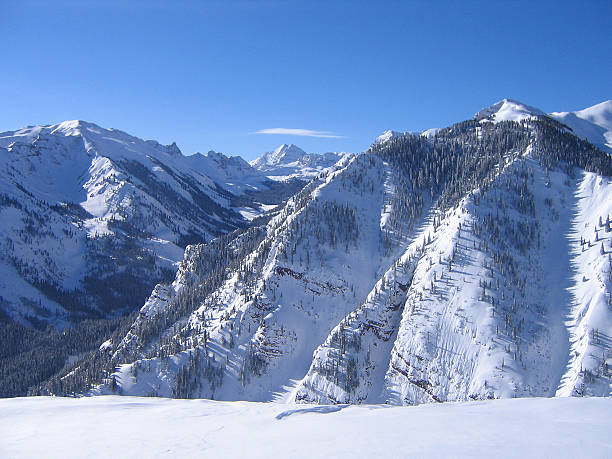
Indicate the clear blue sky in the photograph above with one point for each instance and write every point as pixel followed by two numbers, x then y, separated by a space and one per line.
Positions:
pixel 209 74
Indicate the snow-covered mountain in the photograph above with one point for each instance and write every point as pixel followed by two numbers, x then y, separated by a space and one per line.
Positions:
pixel 508 110
pixel 593 123
pixel 92 218
pixel 471 263
pixel 291 162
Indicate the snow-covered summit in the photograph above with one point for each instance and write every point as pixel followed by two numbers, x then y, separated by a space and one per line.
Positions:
pixel 391 134
pixel 284 154
pixel 592 123
pixel 504 110
pixel 290 161
pixel 508 110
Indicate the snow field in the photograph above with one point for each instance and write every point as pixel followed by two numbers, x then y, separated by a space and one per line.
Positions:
pixel 151 427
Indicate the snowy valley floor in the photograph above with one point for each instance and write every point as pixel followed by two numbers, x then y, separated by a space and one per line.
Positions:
pixel 113 426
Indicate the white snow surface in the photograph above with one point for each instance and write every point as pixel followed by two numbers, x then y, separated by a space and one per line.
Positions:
pixel 592 123
pixel 151 427
pixel 508 110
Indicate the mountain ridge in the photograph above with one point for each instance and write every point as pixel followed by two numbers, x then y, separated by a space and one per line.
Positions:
pixel 592 123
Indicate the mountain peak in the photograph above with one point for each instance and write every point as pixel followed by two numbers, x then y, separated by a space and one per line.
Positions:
pixel 290 161
pixel 508 110
pixel 286 153
pixel 391 134
pixel 173 149
pixel 70 124
pixel 71 127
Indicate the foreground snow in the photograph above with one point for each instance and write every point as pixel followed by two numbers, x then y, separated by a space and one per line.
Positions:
pixel 153 427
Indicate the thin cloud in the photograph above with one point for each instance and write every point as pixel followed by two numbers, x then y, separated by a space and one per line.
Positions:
pixel 300 132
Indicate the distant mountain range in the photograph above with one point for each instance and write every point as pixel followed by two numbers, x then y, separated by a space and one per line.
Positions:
pixel 291 162
pixel 92 218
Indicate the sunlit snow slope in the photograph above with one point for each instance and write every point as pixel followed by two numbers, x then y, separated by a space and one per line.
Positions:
pixel 150 427
pixel 593 123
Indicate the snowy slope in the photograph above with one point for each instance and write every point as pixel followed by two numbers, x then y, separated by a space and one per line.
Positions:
pixel 480 327
pixel 508 110
pixel 86 211
pixel 150 427
pixel 593 123
pixel 589 319
pixel 291 162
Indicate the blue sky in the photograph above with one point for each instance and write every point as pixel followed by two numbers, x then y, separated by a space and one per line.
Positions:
pixel 209 75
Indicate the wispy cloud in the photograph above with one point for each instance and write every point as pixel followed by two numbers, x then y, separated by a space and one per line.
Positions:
pixel 300 132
